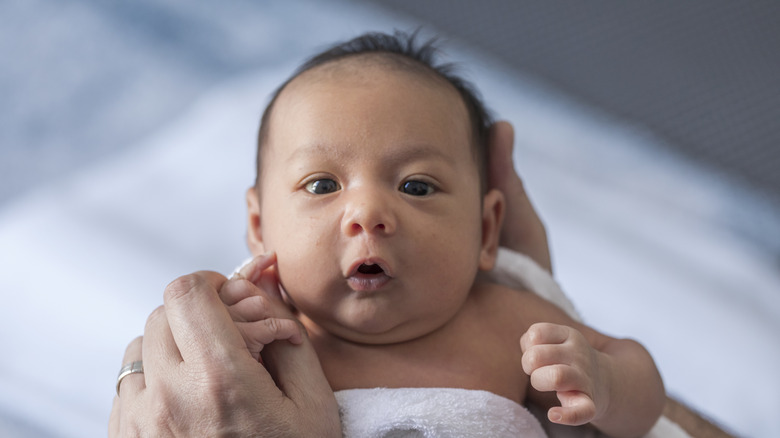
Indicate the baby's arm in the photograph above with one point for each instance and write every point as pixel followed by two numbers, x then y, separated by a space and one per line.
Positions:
pixel 251 297
pixel 611 383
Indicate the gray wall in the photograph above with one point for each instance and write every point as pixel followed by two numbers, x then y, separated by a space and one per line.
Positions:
pixel 703 76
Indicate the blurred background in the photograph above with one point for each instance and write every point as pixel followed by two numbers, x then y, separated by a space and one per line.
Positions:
pixel 646 133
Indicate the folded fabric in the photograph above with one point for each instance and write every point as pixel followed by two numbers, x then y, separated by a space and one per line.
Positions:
pixel 433 412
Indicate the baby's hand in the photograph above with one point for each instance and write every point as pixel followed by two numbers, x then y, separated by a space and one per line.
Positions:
pixel 559 358
pixel 252 298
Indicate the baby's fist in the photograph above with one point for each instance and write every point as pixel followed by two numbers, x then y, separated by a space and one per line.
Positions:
pixel 559 358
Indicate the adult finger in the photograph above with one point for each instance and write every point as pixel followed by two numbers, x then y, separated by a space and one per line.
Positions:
pixel 160 353
pixel 237 289
pixel 523 230
pixel 134 383
pixel 113 418
pixel 501 140
pixel 133 353
pixel 201 326
pixel 298 373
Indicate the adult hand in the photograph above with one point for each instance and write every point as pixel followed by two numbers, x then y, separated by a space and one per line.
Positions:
pixel 523 230
pixel 201 380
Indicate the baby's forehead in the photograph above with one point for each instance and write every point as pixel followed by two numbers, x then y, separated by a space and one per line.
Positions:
pixel 385 70
pixel 368 67
pixel 414 64
pixel 334 82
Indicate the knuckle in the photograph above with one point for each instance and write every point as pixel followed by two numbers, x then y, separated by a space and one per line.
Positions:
pixel 536 332
pixel 557 375
pixel 531 359
pixel 156 315
pixel 182 286
pixel 282 328
pixel 274 326
pixel 219 389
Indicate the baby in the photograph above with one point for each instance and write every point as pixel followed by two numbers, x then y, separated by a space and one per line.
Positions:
pixel 371 213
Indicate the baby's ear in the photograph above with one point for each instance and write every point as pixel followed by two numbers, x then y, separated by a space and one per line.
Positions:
pixel 254 236
pixel 492 220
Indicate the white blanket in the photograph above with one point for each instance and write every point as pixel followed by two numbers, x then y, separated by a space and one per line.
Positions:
pixel 449 412
pixel 433 412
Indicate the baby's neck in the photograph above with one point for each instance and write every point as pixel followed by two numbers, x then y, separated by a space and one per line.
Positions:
pixel 463 353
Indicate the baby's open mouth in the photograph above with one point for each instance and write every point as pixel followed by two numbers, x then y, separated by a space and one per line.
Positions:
pixel 369 276
pixel 370 269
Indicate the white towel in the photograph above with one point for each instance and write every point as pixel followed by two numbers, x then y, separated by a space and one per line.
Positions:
pixel 433 412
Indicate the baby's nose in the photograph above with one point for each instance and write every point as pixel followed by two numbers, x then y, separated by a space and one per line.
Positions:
pixel 371 213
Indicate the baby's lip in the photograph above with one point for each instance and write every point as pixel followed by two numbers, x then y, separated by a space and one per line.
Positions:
pixel 353 270
pixel 368 280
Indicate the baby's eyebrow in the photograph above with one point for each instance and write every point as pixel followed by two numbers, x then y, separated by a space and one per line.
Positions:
pixel 396 155
pixel 417 151
pixel 320 149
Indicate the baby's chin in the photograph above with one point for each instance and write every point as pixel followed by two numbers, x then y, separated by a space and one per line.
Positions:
pixel 373 332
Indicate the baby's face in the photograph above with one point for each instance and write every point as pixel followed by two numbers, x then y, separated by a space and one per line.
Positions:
pixel 370 197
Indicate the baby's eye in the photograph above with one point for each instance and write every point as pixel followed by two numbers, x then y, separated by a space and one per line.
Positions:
pixel 416 188
pixel 322 186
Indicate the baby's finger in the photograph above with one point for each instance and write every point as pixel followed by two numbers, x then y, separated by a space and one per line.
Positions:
pixel 261 272
pixel 237 289
pixel 544 333
pixel 253 270
pixel 539 356
pixel 576 409
pixel 258 334
pixel 557 378
pixel 250 309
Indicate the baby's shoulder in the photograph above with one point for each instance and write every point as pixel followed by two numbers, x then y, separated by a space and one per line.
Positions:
pixel 495 297
pixel 513 307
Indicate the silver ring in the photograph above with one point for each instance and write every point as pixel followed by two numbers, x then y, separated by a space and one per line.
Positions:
pixel 126 370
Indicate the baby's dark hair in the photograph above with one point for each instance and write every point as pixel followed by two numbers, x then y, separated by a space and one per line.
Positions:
pixel 399 50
